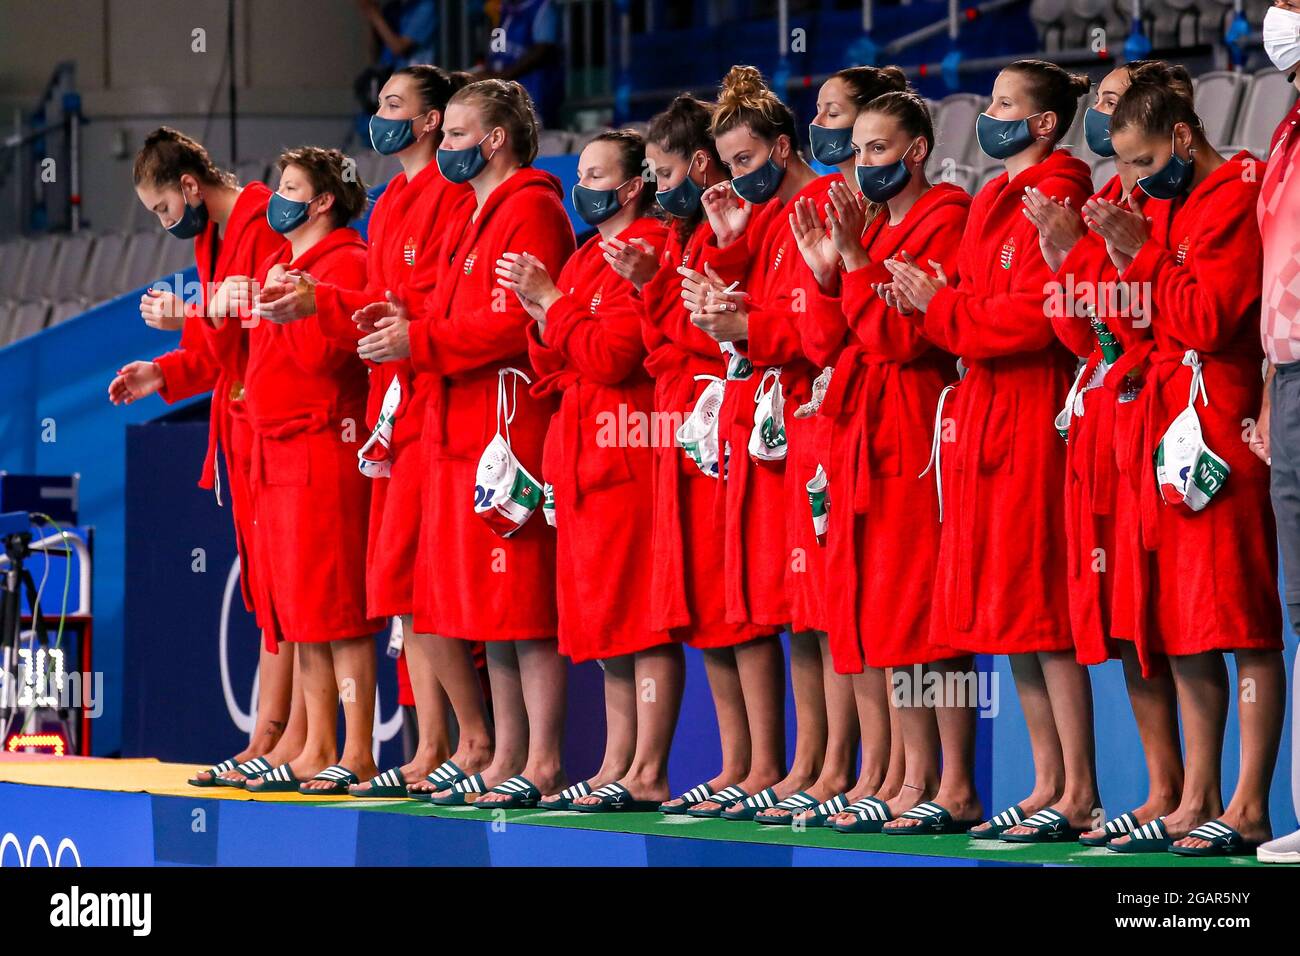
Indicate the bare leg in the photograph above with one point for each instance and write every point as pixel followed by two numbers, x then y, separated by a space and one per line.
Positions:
pixel 1045 744
pixel 543 681
pixel 871 694
pixel 1069 689
pixel 733 725
pixel 274 705
pixel 354 672
pixel 620 723
pixel 509 716
pixel 321 702
pixel 842 734
pixel 955 719
pixel 1155 708
pixel 1261 704
pixel 453 662
pixel 660 678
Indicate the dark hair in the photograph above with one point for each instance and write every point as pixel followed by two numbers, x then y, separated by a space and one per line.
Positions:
pixel 631 161
pixel 745 100
pixel 329 171
pixel 1054 90
pixel 909 110
pixel 1172 75
pixel 683 129
pixel 435 84
pixel 1152 107
pixel 865 83
pixel 507 104
pixel 168 154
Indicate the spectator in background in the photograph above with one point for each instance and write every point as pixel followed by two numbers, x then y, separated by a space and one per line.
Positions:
pixel 528 50
pixel 402 32
pixel 1276 438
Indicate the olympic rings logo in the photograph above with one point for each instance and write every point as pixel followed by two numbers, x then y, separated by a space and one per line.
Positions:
pixel 385 730
pixel 54 859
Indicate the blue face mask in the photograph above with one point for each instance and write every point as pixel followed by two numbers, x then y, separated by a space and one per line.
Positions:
pixel 594 206
pixel 194 219
pixel 1172 180
pixel 389 136
pixel 681 200
pixel 882 183
pixel 1096 129
pixel 760 185
pixel 1002 139
pixel 830 147
pixel 462 165
pixel 285 215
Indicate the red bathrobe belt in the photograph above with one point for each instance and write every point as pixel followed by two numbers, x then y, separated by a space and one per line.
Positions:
pixel 859 382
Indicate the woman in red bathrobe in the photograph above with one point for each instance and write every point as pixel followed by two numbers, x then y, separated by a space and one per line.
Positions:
pixel 194 199
pixel 685 557
pixel 880 408
pixel 486 567
pixel 771 563
pixel 1209 584
pixel 405 229
pixel 1001 587
pixel 586 346
pixel 304 394
pixel 1100 507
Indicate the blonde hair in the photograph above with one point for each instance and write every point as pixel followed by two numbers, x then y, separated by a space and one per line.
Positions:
pixel 745 100
pixel 507 104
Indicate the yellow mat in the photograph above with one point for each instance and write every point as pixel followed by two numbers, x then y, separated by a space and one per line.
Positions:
pixel 146 775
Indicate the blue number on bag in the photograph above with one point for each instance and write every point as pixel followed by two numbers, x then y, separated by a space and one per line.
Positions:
pixel 482 496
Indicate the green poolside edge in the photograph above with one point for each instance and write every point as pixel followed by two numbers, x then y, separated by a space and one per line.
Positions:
pixel 657 825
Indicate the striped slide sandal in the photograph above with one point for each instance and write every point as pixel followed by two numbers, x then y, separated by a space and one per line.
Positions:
pixel 1224 841
pixel 999 824
pixel 1049 826
pixel 388 785
pixel 458 793
pixel 822 812
pixel 795 803
pixel 339 779
pixel 935 821
pixel 870 814
pixel 564 799
pixel 1150 837
pixel 279 780
pixel 1121 825
pixel 748 808
pixel 616 798
pixel 213 772
pixel 687 800
pixel 724 798
pixel 519 792
pixel 251 770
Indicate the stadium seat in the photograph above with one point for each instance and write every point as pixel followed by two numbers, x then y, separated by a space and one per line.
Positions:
pixel 105 267
pixel 1218 97
pixel 254 171
pixel 6 323
pixel 141 263
pixel 13 258
pixel 36 269
pixel 29 318
pixel 1269 98
pixel 554 142
pixel 63 310
pixel 68 273
pixel 955 136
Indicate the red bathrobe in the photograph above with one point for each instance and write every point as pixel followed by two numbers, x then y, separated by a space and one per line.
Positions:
pixel 406 227
pixel 305 398
pixel 774 571
pixel 598 456
pixel 1099 528
pixel 686 550
pixel 1002 571
pixel 883 535
pixel 471 583
pixel 213 359
pixel 1209 578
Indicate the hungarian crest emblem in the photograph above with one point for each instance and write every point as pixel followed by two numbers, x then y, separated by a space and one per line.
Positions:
pixel 1008 253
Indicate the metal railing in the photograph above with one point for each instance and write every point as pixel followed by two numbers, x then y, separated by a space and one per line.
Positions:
pixel 38 176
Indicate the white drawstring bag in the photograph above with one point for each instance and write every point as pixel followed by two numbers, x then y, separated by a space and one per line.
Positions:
pixel 767 439
pixel 820 503
pixel 936 442
pixel 739 367
pixel 698 435
pixel 505 494
pixel 1187 471
pixel 372 458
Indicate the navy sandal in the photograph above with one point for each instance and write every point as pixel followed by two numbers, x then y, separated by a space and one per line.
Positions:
pixel 564 800
pixel 1121 825
pixel 1049 826
pixel 616 798
pixel 1224 841
pixel 339 779
pixel 1151 837
pixel 1008 818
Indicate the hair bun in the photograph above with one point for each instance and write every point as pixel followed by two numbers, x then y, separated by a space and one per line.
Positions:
pixel 1080 84
pixel 895 76
pixel 742 86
